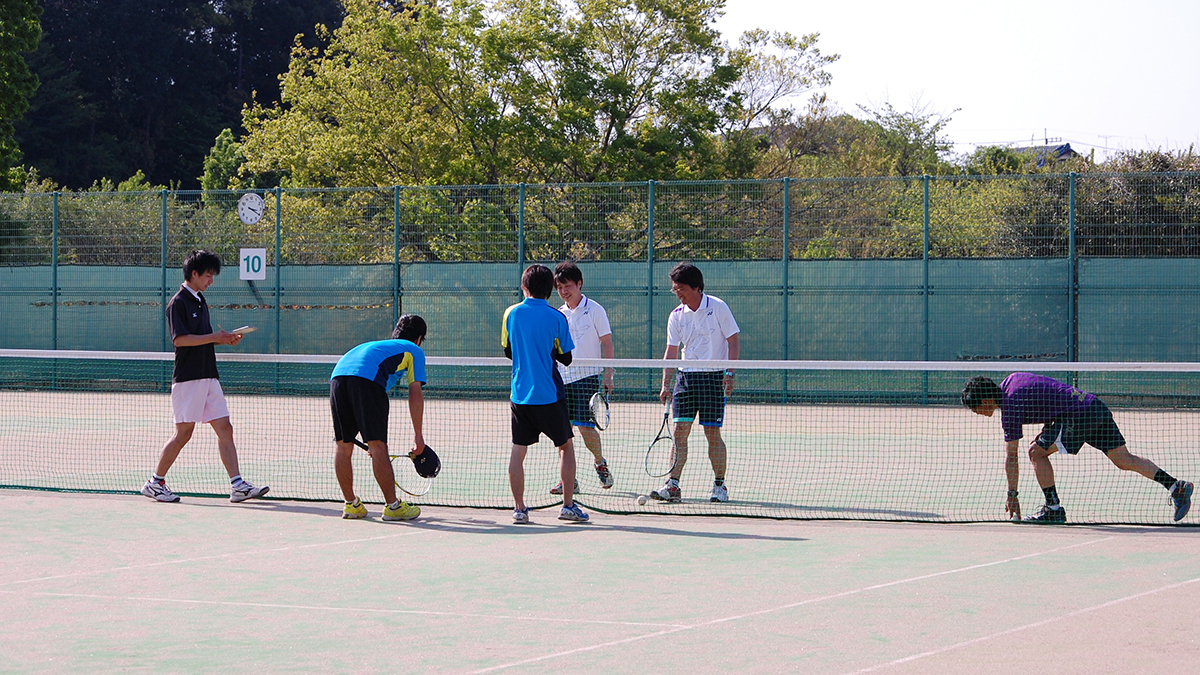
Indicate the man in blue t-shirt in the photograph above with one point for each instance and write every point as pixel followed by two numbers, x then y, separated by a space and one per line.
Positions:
pixel 358 398
pixel 535 335
pixel 1069 418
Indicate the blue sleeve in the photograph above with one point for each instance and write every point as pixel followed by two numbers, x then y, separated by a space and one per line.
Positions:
pixel 418 366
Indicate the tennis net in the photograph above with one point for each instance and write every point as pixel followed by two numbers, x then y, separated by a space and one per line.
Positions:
pixel 826 440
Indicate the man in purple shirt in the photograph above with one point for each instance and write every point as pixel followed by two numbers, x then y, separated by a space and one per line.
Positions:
pixel 1069 418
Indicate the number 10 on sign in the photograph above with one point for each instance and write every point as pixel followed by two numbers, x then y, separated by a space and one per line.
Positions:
pixel 253 264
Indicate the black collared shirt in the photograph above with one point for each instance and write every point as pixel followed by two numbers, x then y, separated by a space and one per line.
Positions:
pixel 188 315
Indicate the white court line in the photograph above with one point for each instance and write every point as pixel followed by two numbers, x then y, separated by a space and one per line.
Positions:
pixel 780 608
pixel 328 608
pixel 213 557
pixel 1018 629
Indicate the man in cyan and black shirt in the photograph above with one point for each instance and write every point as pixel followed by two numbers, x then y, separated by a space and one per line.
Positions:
pixel 196 394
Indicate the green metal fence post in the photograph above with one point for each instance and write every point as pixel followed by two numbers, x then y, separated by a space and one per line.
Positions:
pixel 162 319
pixel 787 287
pixel 520 231
pixel 54 272
pixel 650 270
pixel 925 292
pixel 278 268
pixel 925 271
pixel 1072 275
pixel 395 254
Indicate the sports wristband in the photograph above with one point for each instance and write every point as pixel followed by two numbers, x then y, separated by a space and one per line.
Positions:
pixel 1012 493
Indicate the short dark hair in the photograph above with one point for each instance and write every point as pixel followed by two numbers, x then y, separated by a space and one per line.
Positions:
pixel 410 327
pixel 538 280
pixel 688 275
pixel 567 271
pixel 979 389
pixel 200 261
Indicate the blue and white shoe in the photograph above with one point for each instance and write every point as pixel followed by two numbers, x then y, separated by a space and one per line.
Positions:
pixel 521 516
pixel 573 513
pixel 1181 497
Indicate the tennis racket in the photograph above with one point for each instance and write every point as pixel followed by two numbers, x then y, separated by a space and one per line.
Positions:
pixel 408 480
pixel 599 406
pixel 660 456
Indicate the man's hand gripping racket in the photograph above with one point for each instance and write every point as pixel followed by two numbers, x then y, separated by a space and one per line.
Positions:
pixel 426 466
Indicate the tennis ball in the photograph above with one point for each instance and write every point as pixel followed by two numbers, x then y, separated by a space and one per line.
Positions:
pixel 641 500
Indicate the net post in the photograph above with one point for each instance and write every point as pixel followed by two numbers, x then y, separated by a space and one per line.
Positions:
pixel 162 324
pixel 787 294
pixel 54 270
pixel 925 289
pixel 1072 272
pixel 395 254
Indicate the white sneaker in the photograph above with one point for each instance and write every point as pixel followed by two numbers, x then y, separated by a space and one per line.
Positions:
pixel 667 493
pixel 720 493
pixel 521 516
pixel 159 491
pixel 243 491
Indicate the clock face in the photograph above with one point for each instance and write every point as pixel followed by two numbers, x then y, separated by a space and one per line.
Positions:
pixel 250 208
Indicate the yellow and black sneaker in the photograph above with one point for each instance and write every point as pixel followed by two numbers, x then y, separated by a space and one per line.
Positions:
pixel 354 509
pixel 401 511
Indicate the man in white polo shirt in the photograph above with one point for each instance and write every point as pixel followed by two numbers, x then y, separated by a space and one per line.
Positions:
pixel 701 328
pixel 196 394
pixel 592 335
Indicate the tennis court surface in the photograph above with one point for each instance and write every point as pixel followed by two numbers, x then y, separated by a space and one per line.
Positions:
pixel 106 583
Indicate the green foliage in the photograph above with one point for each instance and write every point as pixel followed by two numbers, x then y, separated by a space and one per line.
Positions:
pixel 993 160
pixel 20 31
pixel 222 162
pixel 148 84
pixel 913 139
pixel 493 93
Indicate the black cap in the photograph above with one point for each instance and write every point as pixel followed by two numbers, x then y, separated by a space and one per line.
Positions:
pixel 427 463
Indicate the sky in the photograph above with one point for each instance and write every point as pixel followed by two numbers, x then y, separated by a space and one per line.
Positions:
pixel 1102 75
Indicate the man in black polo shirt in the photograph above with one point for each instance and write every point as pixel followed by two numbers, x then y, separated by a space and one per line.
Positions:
pixel 196 394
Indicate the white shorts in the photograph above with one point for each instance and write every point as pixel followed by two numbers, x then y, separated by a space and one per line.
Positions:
pixel 198 401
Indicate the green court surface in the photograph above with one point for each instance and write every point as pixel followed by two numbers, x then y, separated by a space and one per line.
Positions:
pixel 116 583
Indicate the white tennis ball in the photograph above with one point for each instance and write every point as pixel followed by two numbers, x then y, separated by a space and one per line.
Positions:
pixel 641 500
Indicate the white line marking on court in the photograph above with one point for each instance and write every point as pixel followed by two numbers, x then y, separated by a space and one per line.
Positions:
pixel 326 608
pixel 213 557
pixel 1018 629
pixel 780 608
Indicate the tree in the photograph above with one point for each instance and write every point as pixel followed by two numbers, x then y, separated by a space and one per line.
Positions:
pixel 20 32
pixel 468 92
pixel 146 85
pixel 913 139
pixel 222 162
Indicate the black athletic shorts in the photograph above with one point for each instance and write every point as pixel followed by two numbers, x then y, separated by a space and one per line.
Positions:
pixel 699 396
pixel 579 396
pixel 358 405
pixel 530 421
pixel 1093 425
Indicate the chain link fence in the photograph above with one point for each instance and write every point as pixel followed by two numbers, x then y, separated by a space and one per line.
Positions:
pixel 1048 267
